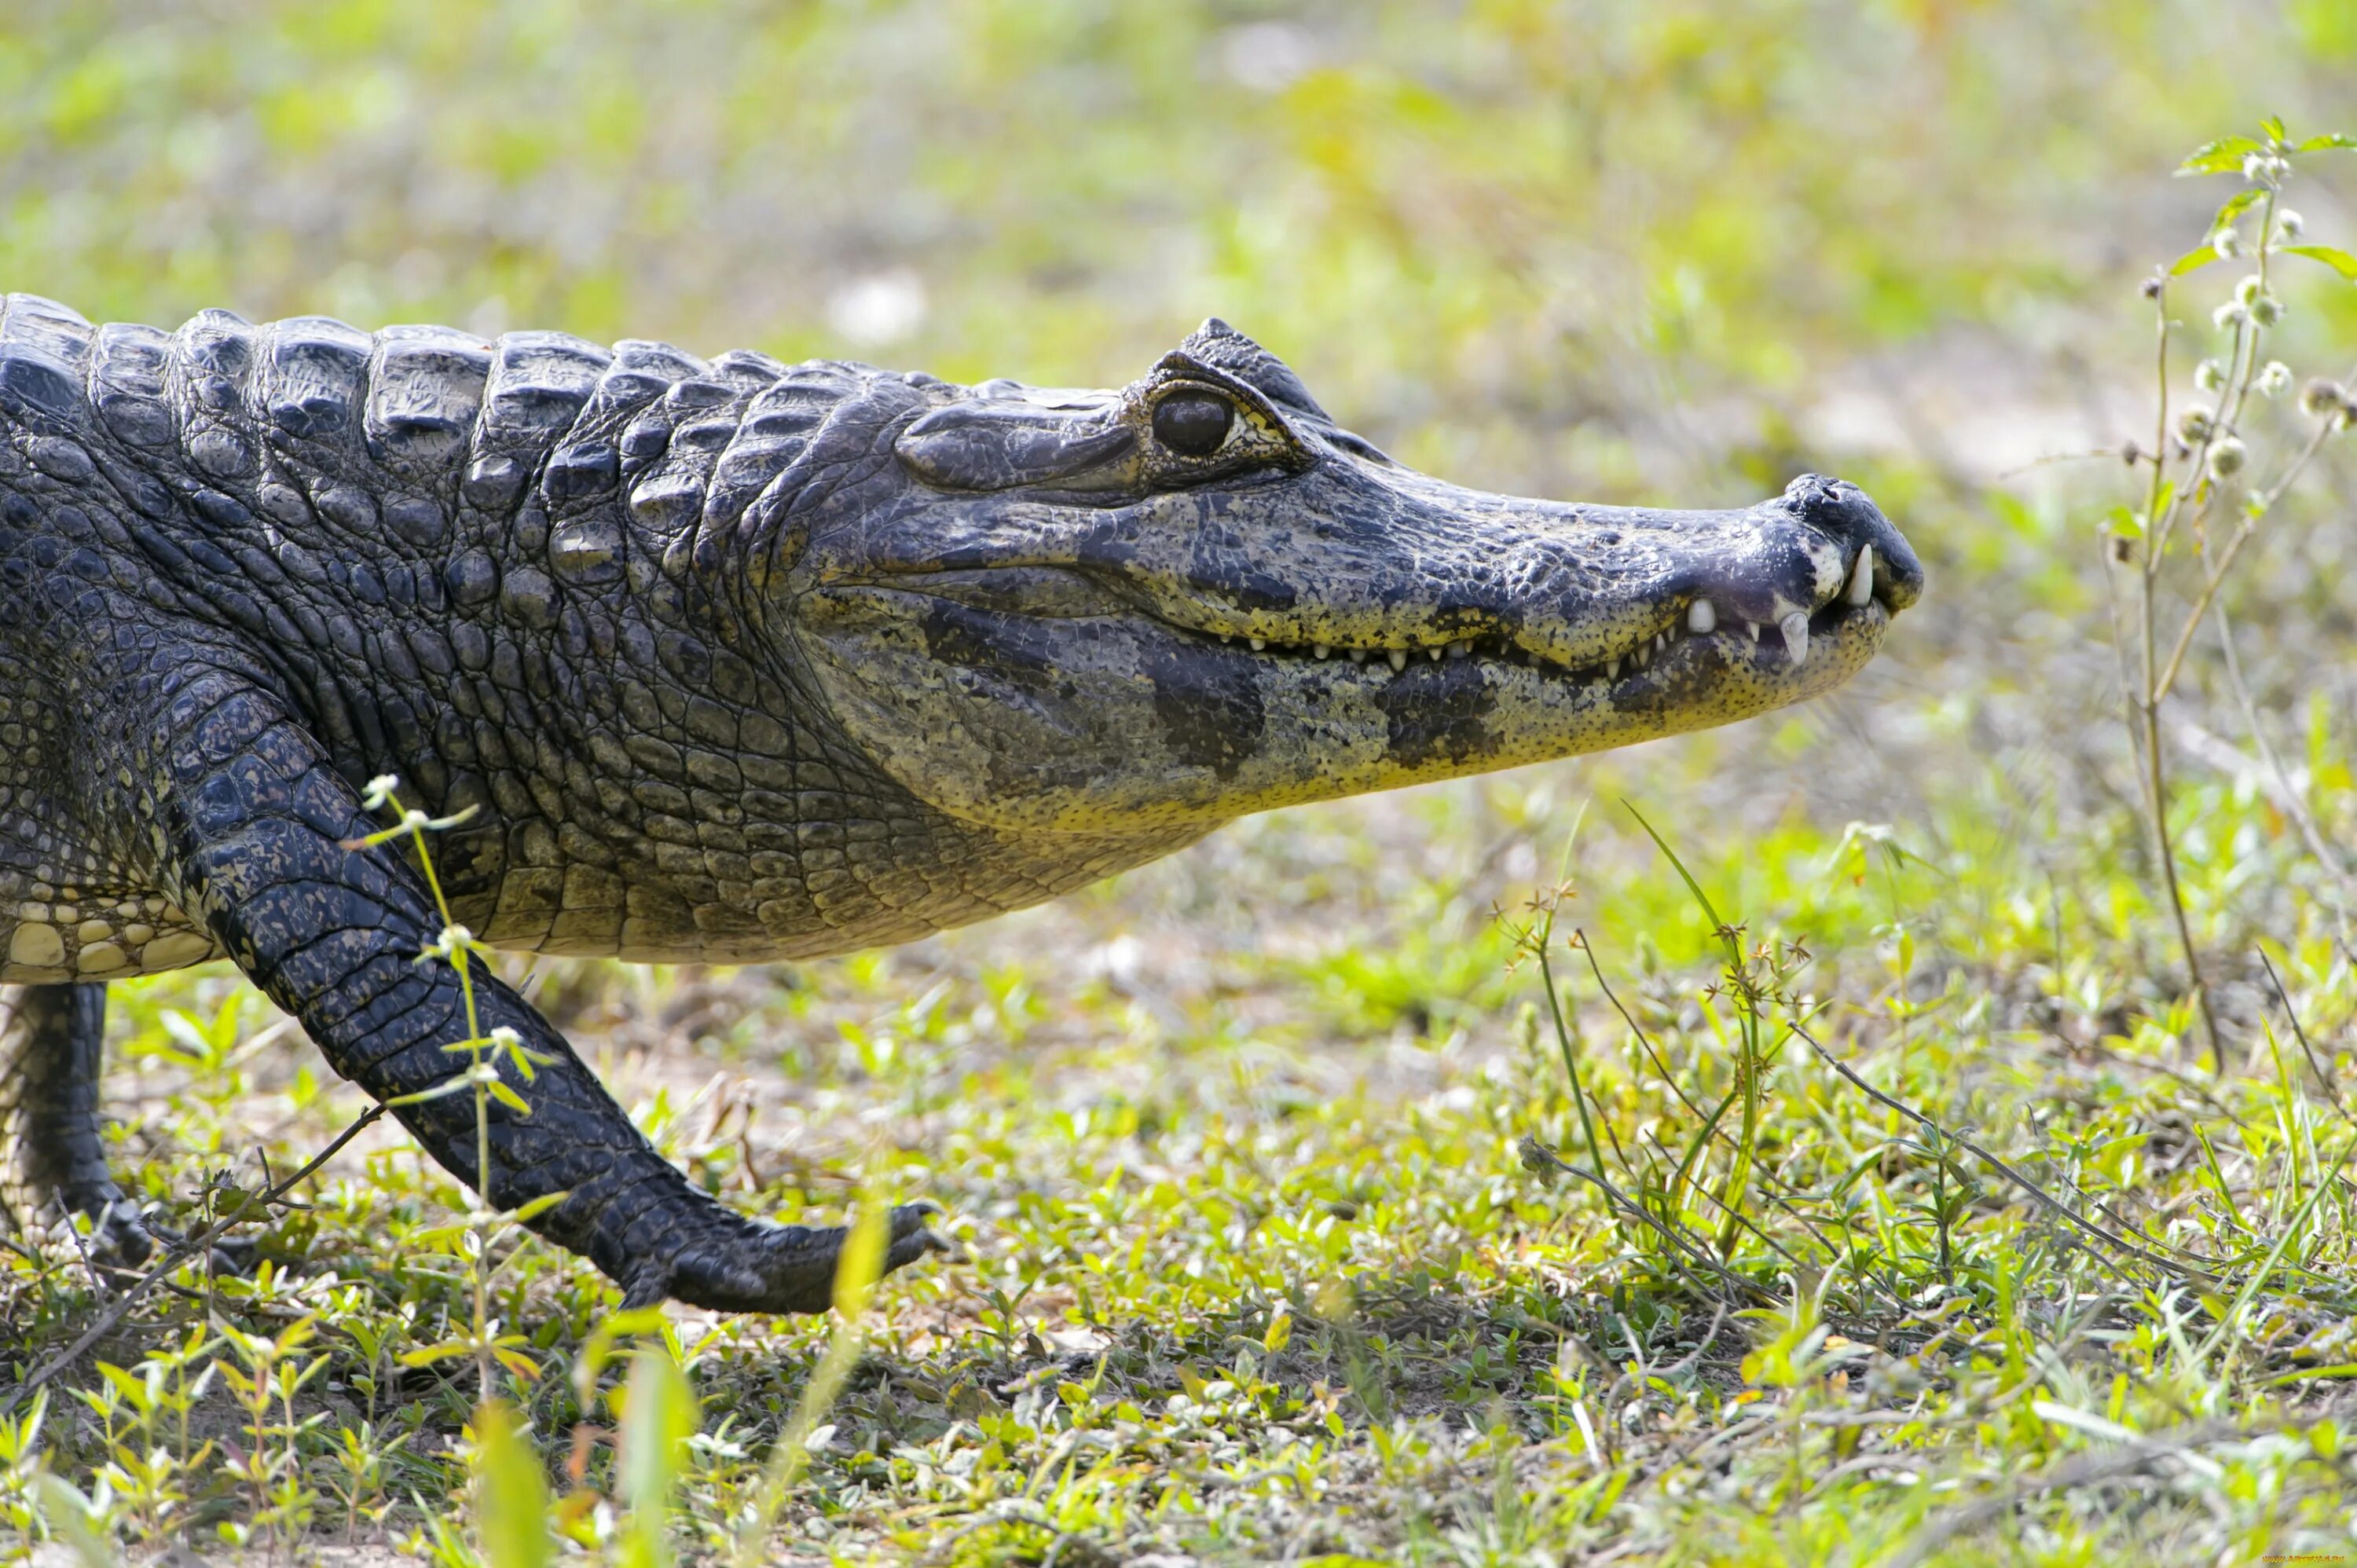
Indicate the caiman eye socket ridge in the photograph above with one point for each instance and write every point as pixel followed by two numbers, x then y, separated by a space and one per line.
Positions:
pixel 1193 424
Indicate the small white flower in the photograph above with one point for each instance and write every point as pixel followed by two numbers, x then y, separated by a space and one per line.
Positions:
pixel 2226 457
pixel 2289 224
pixel 2226 242
pixel 2230 314
pixel 2266 310
pixel 2275 380
pixel 2208 375
pixel 505 1038
pixel 380 789
pixel 2194 425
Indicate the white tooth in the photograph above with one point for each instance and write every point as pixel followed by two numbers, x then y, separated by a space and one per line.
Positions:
pixel 1795 627
pixel 1612 670
pixel 1661 640
pixel 1319 650
pixel 1435 654
pixel 1861 581
pixel 1258 644
pixel 1753 628
pixel 1398 656
pixel 1700 617
pixel 1459 649
pixel 1358 656
pixel 1224 640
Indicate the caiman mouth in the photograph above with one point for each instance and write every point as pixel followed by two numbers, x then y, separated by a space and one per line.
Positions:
pixel 1689 637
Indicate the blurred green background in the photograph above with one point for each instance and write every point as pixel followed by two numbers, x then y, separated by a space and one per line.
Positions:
pixel 1607 249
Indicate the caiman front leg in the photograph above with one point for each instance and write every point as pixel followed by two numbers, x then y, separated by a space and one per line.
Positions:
pixel 256 825
pixel 52 1038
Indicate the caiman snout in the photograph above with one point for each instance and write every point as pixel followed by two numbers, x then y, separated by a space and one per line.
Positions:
pixel 1795 565
pixel 1398 561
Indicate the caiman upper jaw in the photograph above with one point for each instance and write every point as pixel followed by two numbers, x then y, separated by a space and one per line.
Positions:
pixel 1564 589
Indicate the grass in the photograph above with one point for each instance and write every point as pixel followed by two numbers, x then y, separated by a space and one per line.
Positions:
pixel 1264 1254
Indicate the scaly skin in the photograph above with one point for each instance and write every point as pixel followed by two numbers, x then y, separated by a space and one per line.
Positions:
pixel 736 661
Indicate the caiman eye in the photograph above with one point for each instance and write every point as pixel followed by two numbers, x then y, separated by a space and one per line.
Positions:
pixel 1193 425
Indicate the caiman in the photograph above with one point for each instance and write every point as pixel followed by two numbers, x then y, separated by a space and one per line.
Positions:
pixel 729 660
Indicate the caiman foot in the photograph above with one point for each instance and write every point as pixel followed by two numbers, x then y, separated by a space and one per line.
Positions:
pixel 235 1255
pixel 123 1241
pixel 119 1239
pixel 772 1268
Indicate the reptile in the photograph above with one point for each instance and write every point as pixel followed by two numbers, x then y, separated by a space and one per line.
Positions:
pixel 730 660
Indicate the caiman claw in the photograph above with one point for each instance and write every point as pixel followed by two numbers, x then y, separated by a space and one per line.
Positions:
pixel 777 1268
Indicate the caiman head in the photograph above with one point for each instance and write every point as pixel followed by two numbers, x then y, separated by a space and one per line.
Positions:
pixel 1196 597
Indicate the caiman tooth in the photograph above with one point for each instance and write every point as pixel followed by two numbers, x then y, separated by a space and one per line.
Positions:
pixel 1795 627
pixel 1861 580
pixel 1358 655
pixel 1398 656
pixel 1258 644
pixel 1319 651
pixel 1701 616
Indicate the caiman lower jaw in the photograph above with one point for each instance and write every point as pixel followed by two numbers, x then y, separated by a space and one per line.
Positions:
pixel 1679 680
pixel 1124 723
